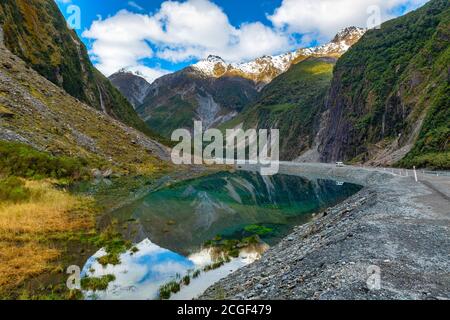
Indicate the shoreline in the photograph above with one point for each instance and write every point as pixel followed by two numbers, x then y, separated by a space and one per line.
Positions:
pixel 396 225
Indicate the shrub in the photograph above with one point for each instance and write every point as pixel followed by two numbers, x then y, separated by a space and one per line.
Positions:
pixel 13 189
pixel 257 229
pixel 234 253
pixel 17 159
pixel 166 290
pixel 95 284
pixel 113 243
pixel 214 265
pixel 186 280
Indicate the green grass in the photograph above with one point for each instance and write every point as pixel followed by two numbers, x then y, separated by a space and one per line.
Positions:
pixel 257 229
pixel 97 284
pixel 186 280
pixel 13 189
pixel 214 265
pixel 166 290
pixel 18 159
pixel 113 243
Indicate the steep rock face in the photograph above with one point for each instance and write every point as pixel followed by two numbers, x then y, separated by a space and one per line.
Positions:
pixel 133 86
pixel 292 103
pixel 390 94
pixel 176 100
pixel 36 31
pixel 40 114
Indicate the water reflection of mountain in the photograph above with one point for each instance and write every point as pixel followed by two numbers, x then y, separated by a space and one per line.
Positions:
pixel 183 216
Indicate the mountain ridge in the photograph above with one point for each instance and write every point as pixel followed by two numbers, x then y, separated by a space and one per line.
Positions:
pixel 176 100
pixel 132 85
pixel 36 31
pixel 264 69
pixel 214 91
pixel 36 112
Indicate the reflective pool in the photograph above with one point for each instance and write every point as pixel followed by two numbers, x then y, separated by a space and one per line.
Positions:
pixel 176 221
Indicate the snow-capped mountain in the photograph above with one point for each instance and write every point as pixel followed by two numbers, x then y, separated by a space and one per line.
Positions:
pixel 132 84
pixel 266 68
pixel 136 72
pixel 213 90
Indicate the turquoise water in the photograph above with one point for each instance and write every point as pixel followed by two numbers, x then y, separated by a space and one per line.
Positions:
pixel 174 223
pixel 233 205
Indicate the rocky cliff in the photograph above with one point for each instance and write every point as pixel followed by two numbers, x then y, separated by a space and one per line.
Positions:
pixel 36 31
pixel 292 103
pixel 176 100
pixel 133 86
pixel 389 97
pixel 38 113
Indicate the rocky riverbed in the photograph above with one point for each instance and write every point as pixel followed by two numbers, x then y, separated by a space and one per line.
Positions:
pixel 389 241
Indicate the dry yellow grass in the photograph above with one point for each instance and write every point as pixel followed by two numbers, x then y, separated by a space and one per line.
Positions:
pixel 49 213
pixel 19 262
pixel 48 210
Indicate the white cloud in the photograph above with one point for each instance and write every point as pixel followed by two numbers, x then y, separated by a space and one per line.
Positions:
pixel 325 17
pixel 193 29
pixel 179 31
pixel 119 41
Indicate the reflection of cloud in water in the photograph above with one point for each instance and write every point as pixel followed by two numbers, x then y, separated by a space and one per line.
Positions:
pixel 140 275
pixel 207 279
pixel 169 268
pixel 202 258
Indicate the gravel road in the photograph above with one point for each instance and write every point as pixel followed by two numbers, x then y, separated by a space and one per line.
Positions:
pixel 389 241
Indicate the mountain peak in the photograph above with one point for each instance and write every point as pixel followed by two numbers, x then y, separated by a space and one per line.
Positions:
pixel 212 66
pixel 349 35
pixel 263 69
pixel 132 71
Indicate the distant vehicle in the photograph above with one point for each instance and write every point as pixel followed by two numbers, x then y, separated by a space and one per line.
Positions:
pixel 339 164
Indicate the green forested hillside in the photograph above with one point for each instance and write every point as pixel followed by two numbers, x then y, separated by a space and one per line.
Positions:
pixel 36 31
pixel 390 91
pixel 291 103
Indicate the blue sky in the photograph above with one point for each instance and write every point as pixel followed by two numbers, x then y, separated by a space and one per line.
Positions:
pixel 157 36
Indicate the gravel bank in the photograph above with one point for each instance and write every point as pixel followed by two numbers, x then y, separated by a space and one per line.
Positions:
pixel 394 225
